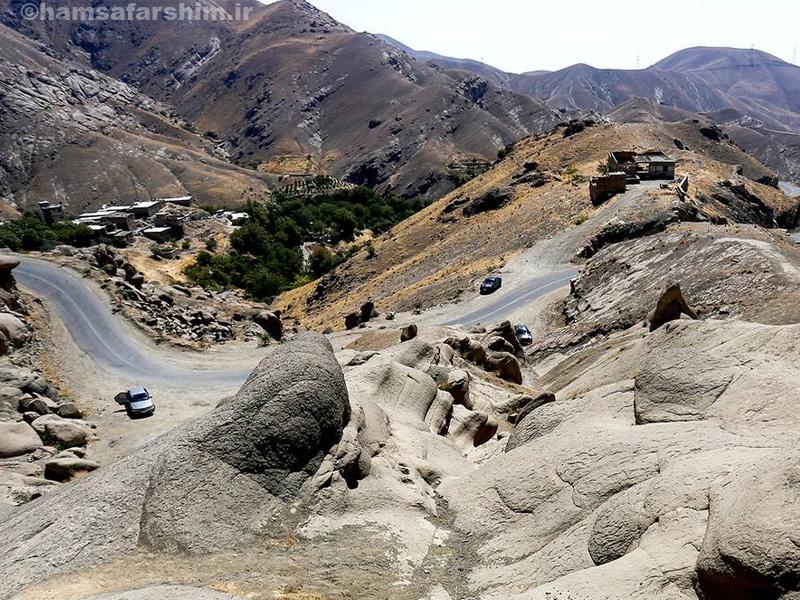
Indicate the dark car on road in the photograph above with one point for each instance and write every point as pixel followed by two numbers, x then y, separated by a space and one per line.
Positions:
pixel 491 284
pixel 523 333
pixel 138 402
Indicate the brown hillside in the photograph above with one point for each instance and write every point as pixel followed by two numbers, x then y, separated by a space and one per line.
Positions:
pixel 436 255
pixel 291 83
pixel 72 134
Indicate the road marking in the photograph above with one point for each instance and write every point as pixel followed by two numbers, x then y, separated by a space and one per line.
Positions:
pixel 488 315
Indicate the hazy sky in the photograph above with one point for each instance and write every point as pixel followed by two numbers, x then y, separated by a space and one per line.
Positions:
pixel 520 35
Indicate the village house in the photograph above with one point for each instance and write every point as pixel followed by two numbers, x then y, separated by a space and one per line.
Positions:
pixel 51 213
pixel 652 164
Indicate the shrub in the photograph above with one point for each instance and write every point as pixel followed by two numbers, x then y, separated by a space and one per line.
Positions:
pixel 30 232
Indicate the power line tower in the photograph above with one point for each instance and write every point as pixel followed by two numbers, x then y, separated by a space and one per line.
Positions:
pixel 752 55
pixel 638 62
pixel 794 56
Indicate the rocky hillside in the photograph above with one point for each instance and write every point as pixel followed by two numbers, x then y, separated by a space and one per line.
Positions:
pixel 752 92
pixel 659 464
pixel 291 91
pixel 540 191
pixel 69 133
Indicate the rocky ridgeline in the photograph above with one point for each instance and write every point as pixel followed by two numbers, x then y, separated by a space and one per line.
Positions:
pixel 177 312
pixel 43 437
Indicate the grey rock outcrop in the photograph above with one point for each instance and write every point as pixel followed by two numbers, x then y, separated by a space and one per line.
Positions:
pixel 504 365
pixel 213 482
pixel 670 306
pixel 750 549
pixel 163 592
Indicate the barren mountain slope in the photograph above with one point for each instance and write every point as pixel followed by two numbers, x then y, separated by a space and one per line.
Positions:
pixel 292 90
pixel 751 76
pixel 439 253
pixel 69 133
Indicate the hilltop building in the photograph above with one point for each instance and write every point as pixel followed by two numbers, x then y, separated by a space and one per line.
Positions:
pixel 652 164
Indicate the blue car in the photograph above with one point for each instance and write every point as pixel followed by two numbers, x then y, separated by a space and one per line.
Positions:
pixel 138 402
pixel 491 284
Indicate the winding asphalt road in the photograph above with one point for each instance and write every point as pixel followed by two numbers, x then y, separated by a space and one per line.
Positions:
pixel 105 337
pixel 108 341
pixel 507 302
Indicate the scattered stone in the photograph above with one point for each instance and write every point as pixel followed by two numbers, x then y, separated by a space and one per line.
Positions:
pixel 69 410
pixel 491 200
pixel 271 323
pixel 60 432
pixel 64 468
pixel 17 439
pixel 409 332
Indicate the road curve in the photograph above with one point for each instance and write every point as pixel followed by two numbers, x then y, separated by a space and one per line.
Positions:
pixel 107 340
pixel 515 298
pixel 105 337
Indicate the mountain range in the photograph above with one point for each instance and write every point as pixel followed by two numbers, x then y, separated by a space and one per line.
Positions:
pixel 229 109
pixel 753 95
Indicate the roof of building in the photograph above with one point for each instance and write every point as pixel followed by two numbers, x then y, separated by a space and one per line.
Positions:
pixel 651 157
pixel 175 199
pixel 156 229
pixel 147 204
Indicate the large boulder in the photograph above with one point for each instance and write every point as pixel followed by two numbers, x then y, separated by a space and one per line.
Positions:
pixel 10 397
pixel 505 331
pixel 468 348
pixel 214 482
pixel 271 323
pixel 23 379
pixel 14 330
pixel 8 263
pixel 670 306
pixel 504 365
pixel 61 432
pixel 17 439
pixel 469 428
pixel 352 320
pixel 64 468
pixel 368 311
pixel 409 332
pixel 750 549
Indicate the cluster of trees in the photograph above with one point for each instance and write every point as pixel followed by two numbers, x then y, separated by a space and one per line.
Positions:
pixel 31 233
pixel 265 254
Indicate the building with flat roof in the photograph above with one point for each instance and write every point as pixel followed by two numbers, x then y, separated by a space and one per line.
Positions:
pixel 179 200
pixel 653 164
pixel 51 213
